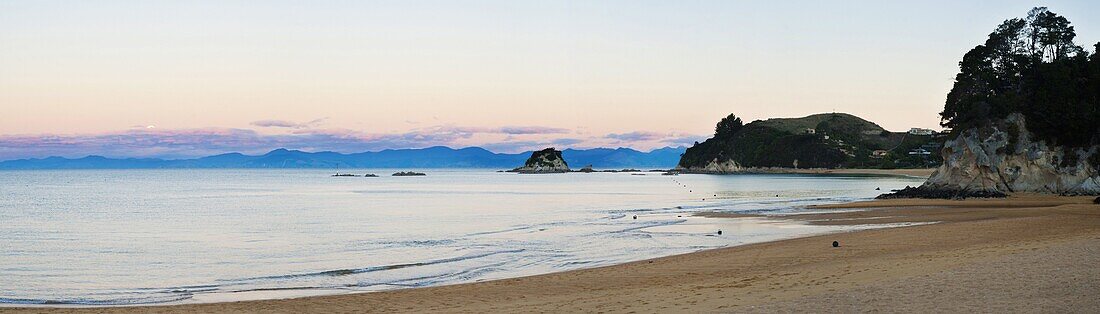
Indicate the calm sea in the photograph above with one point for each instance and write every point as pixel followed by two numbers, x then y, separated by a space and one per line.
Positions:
pixel 106 237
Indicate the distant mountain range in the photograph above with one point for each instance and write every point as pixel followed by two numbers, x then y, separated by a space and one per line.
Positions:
pixel 432 157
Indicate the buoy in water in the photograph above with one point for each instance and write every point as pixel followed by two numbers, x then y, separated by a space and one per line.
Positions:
pixel 635 216
pixel 719 232
pixel 836 244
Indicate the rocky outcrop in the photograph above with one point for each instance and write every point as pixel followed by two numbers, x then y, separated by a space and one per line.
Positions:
pixel 408 174
pixel 1005 158
pixel 715 167
pixel 544 161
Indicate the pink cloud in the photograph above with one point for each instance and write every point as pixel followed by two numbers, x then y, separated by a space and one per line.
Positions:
pixel 188 143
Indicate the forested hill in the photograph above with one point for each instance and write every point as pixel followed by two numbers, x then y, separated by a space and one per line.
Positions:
pixel 827 140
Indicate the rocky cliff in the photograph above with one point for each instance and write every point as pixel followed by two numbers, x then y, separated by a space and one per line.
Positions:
pixel 1005 158
pixel 544 161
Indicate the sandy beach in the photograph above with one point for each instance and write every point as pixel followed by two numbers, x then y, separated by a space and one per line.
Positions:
pixel 918 172
pixel 1021 254
pixel 914 172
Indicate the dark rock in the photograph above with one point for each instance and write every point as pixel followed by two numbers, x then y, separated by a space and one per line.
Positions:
pixel 408 174
pixel 924 192
pixel 544 161
pixel 1096 201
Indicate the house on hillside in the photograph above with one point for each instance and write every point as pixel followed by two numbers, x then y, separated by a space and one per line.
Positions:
pixel 879 154
pixel 920 152
pixel 920 131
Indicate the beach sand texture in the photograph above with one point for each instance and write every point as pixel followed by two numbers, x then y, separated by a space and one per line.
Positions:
pixel 1021 254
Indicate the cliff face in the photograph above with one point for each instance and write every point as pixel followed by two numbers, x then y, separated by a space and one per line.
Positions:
pixel 1005 158
pixel 544 161
pixel 715 166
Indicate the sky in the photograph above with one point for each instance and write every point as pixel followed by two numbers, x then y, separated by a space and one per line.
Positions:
pixel 177 79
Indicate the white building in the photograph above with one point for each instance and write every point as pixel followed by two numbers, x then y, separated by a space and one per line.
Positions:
pixel 920 131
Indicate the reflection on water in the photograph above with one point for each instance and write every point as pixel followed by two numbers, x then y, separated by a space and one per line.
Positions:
pixel 151 236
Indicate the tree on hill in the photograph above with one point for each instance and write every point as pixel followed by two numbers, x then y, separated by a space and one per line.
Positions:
pixel 728 126
pixel 1030 66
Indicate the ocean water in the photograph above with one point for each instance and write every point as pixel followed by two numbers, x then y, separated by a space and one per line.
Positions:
pixel 109 237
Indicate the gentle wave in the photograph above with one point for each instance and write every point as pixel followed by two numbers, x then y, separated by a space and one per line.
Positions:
pixel 198 235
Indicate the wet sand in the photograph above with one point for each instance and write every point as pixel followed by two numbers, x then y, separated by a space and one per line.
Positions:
pixel 1021 254
pixel 923 172
pixel 920 173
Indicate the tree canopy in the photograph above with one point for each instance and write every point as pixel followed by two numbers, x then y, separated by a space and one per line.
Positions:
pixel 728 126
pixel 1031 66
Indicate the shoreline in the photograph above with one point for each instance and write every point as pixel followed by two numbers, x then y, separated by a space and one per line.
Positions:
pixel 950 262
pixel 916 173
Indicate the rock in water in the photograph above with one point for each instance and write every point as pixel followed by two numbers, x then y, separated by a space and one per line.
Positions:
pixel 1096 201
pixel 408 174
pixel 544 161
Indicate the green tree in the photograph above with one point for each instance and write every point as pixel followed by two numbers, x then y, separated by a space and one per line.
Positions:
pixel 1030 66
pixel 1051 35
pixel 728 126
pixel 888 163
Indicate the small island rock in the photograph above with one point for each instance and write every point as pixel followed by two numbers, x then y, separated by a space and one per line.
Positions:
pixel 544 161
pixel 408 174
